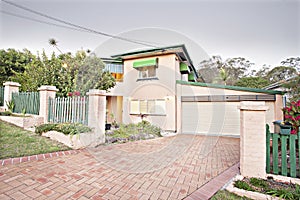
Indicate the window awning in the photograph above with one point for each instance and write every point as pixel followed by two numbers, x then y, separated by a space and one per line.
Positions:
pixel 145 63
pixel 184 68
pixel 191 76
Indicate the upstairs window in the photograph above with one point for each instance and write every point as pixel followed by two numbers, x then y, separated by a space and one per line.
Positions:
pixel 146 68
pixel 147 72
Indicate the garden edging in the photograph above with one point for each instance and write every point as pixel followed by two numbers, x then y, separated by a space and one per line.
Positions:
pixel 77 141
pixel 26 122
pixel 11 161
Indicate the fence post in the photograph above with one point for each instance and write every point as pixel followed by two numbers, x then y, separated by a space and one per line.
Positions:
pixel 9 88
pixel 46 92
pixel 97 112
pixel 253 139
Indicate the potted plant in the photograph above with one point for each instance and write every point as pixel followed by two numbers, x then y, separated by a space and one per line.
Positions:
pixel 292 116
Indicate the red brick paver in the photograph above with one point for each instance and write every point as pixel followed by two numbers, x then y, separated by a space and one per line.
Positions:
pixel 165 168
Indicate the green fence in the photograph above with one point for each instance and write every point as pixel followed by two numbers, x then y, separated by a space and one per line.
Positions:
pixel 26 102
pixel 1 96
pixel 69 109
pixel 283 154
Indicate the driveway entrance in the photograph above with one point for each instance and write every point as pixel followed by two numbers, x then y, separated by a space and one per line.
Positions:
pixel 164 168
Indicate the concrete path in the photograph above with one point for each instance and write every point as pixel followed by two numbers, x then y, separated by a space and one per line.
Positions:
pixel 164 168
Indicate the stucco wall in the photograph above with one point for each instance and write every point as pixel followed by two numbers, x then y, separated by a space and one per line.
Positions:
pixel 167 73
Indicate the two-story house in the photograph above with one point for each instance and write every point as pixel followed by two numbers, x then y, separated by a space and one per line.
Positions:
pixel 160 85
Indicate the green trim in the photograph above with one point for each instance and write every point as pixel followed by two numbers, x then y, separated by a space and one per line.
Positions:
pixel 184 67
pixel 145 63
pixel 229 87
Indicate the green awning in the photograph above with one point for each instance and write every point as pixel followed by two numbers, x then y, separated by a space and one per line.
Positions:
pixel 145 63
pixel 184 68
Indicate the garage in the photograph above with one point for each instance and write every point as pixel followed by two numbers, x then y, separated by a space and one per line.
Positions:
pixel 210 109
pixel 214 118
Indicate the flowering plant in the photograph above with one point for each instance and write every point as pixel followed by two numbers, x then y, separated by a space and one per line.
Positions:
pixel 292 115
pixel 76 93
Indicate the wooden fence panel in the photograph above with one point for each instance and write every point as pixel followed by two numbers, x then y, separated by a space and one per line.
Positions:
pixel 28 102
pixel 283 154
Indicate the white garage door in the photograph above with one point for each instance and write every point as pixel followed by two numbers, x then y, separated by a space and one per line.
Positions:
pixel 212 118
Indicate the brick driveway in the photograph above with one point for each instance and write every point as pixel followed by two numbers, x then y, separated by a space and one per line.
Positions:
pixel 164 168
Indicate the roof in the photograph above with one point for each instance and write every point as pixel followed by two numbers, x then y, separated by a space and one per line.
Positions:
pixel 180 50
pixel 229 87
pixel 279 83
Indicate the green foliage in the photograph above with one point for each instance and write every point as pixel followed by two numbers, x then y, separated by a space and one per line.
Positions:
pixel 292 115
pixel 282 193
pixel 66 128
pixel 278 189
pixel 259 183
pixel 145 127
pixel 91 75
pixel 10 105
pixel 225 195
pixel 252 82
pixel 243 185
pixel 292 62
pixel 281 73
pixel 293 88
pixel 223 72
pixel 13 61
pixel 16 142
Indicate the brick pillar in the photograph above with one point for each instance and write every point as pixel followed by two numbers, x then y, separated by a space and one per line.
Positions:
pixel 46 92
pixel 9 88
pixel 97 113
pixel 253 139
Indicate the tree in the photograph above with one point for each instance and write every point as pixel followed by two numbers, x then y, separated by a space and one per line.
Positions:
pixel 293 88
pixel 281 73
pixel 223 77
pixel 210 70
pixel 91 75
pixel 252 82
pixel 12 61
pixel 292 62
pixel 45 71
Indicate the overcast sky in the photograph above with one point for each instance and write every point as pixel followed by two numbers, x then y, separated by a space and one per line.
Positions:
pixel 263 31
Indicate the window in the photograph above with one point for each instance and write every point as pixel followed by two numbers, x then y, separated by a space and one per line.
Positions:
pixel 150 107
pixel 146 68
pixel 147 72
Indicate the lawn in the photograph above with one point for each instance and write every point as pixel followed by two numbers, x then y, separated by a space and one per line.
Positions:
pixel 17 142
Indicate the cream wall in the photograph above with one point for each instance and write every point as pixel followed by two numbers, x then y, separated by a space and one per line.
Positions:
pixel 167 73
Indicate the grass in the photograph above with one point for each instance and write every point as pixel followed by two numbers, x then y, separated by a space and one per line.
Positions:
pixel 225 195
pixel 17 142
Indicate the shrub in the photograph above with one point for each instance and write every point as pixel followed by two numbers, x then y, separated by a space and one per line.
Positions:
pixel 128 130
pixel 292 115
pixel 65 128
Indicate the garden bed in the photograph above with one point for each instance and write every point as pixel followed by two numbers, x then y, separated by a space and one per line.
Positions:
pixel 132 132
pixel 269 188
pixel 75 136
